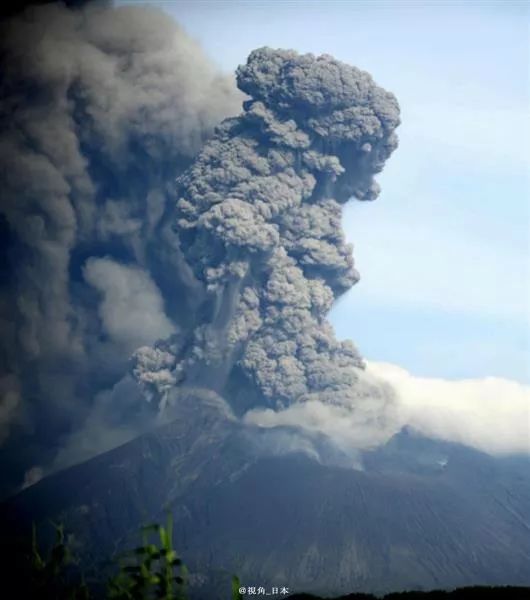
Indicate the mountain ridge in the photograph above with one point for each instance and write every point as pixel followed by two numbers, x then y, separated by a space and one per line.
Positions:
pixel 421 514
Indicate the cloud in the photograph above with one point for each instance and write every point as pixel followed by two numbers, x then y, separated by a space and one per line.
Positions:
pixel 131 308
pixel 101 107
pixel 32 476
pixel 490 414
pixel 258 217
pixel 361 422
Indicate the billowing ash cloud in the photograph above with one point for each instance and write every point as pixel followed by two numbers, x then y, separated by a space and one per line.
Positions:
pixel 100 107
pixel 463 411
pixel 257 224
pixel 122 227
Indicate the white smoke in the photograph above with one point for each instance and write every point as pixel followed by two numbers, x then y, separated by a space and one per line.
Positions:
pixel 132 308
pixel 490 414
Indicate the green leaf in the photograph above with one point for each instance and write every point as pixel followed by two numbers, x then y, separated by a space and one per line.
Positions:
pixel 236 584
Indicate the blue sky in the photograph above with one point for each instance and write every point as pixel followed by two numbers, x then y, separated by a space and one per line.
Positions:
pixel 444 253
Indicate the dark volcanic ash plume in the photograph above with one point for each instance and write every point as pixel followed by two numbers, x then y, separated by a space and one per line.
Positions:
pixel 99 109
pixel 257 222
pixel 116 233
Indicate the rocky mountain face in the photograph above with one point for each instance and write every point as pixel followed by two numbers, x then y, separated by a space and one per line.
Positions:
pixel 285 509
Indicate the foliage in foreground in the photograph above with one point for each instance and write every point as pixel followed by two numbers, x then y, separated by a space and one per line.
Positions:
pixel 154 571
pixel 49 576
pixel 148 572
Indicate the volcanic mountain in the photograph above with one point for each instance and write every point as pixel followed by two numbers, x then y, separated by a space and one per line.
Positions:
pixel 168 276
pixel 414 514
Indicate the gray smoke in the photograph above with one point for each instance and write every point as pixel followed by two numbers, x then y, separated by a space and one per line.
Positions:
pixel 99 109
pixel 129 229
pixel 257 223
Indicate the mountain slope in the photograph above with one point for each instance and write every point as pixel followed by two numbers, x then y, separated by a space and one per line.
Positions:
pixel 422 513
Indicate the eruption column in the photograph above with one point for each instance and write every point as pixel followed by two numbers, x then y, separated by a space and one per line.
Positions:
pixel 258 221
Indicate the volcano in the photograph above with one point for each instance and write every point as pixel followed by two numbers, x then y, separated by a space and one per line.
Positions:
pixel 173 247
pixel 414 514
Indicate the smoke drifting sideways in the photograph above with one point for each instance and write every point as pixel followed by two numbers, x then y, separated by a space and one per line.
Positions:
pixel 257 223
pixel 100 108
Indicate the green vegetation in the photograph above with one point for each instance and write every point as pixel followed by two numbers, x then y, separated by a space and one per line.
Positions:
pixel 49 576
pixel 152 571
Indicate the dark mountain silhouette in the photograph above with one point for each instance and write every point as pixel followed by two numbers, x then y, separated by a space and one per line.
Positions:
pixel 423 514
